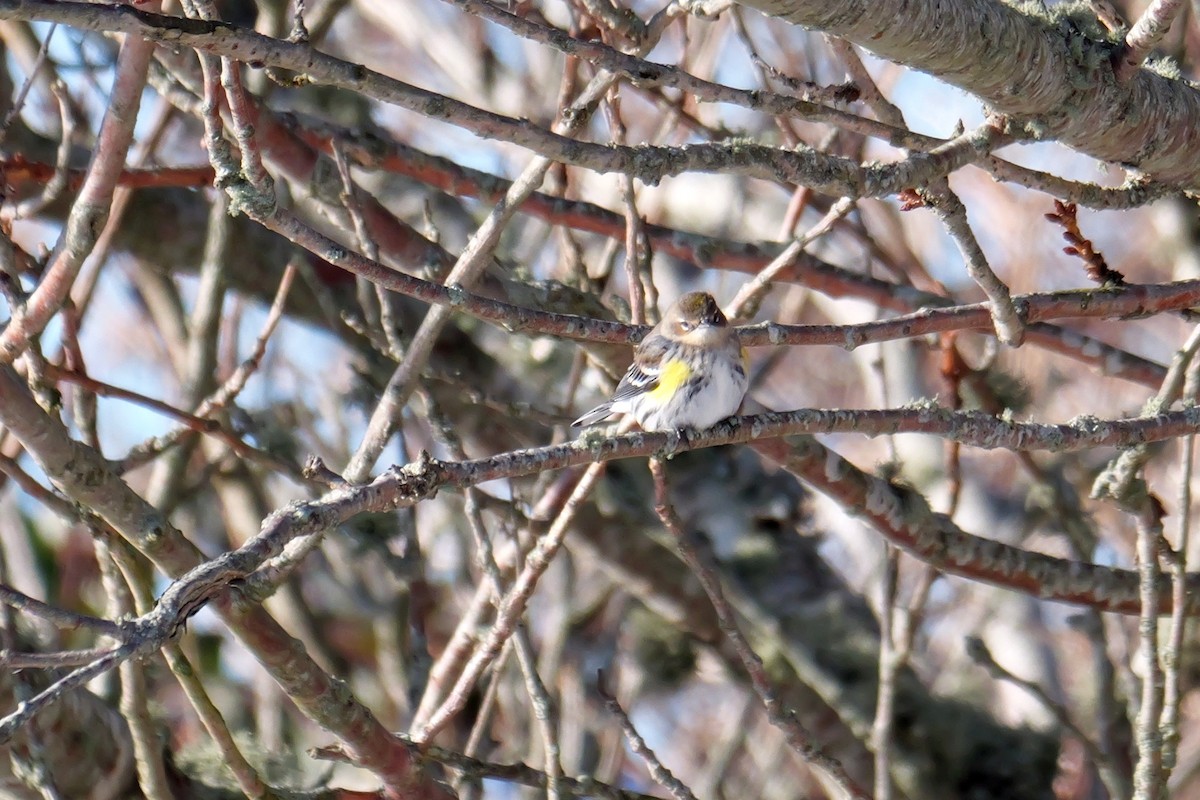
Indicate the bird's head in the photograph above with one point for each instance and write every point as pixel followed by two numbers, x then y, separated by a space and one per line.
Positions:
pixel 696 319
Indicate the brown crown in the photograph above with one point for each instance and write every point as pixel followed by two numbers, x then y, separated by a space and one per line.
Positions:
pixel 699 307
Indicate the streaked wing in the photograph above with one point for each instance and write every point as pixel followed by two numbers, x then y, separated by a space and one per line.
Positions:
pixel 638 379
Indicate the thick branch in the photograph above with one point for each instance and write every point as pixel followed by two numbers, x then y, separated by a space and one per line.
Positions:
pixel 1025 67
pixel 903 516
pixel 802 165
pixel 83 475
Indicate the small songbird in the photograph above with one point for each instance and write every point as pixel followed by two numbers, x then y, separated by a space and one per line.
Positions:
pixel 689 371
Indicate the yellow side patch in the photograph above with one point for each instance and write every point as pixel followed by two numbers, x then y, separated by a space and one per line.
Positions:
pixel 674 374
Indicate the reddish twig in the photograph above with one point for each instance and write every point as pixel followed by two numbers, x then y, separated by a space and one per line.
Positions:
pixel 192 422
pixel 18 169
pixel 92 206
pixel 1079 245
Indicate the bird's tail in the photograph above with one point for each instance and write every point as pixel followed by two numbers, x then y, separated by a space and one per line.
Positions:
pixel 597 414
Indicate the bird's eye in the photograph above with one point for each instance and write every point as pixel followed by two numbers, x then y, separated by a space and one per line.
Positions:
pixel 685 326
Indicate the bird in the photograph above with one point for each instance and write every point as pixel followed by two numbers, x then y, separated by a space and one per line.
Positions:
pixel 689 372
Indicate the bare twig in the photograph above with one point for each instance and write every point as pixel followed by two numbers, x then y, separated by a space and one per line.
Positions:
pixel 1118 479
pixel 1114 782
pixel 1145 35
pixel 210 716
pixel 1173 652
pixel 637 744
pixel 797 737
pixel 745 304
pixel 1088 303
pixel 889 664
pixel 91 207
pixel 513 606
pixel 510 773
pixel 1148 777
pixel 1009 321
pixel 59 616
pixel 470 264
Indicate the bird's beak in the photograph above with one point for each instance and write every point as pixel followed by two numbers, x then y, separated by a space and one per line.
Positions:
pixel 709 333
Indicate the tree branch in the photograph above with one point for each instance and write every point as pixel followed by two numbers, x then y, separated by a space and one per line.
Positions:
pixel 1028 68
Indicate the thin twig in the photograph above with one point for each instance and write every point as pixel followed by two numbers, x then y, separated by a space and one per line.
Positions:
pixel 1145 35
pixel 1113 781
pixel 62 618
pixel 1173 653
pixel 889 665
pixel 191 422
pixel 12 659
pixel 93 203
pixel 1103 302
pixel 454 655
pixel 58 182
pixel 1148 777
pixel 633 222
pixel 1009 321
pixel 31 76
pixel 210 716
pixel 230 389
pixel 637 744
pixel 476 255
pixel 797 737
pixel 477 769
pixel 745 304
pixel 1117 480
pixel 124 586
pixel 539 696
pixel 513 606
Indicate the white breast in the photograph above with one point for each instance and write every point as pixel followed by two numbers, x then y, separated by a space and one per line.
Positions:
pixel 719 397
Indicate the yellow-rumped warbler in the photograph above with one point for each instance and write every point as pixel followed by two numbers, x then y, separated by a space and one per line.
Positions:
pixel 689 371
